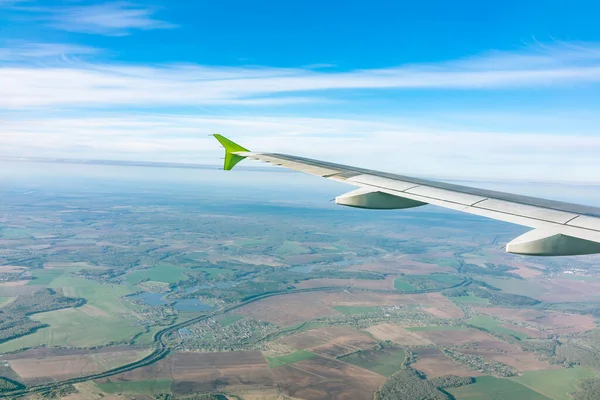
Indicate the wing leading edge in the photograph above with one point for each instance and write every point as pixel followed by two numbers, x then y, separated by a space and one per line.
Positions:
pixel 559 228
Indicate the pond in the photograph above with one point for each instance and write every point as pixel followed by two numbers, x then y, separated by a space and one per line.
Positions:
pixel 191 305
pixel 150 299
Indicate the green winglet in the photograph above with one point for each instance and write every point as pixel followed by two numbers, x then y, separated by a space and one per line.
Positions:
pixel 230 147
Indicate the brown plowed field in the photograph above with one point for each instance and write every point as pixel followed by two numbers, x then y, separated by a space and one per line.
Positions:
pixel 383 284
pixel 332 341
pixel 194 372
pixel 321 378
pixel 399 335
pixel 42 366
pixel 553 322
pixel 433 363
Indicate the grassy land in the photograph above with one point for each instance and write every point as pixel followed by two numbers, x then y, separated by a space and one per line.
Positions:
pixel 101 321
pixel 436 328
pixel 300 355
pixel 44 277
pixel 470 299
pixel 490 388
pixel 348 310
pixel 403 286
pixel 384 361
pixel 161 273
pixel 140 387
pixel 517 286
pixel 230 319
pixel 492 325
pixel 555 383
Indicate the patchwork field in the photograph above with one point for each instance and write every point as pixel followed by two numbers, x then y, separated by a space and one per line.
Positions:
pixel 384 361
pixel 496 326
pixel 47 365
pixel 300 307
pixel 557 383
pixel 104 318
pixel 193 372
pixel 490 388
pixel 383 284
pixel 433 363
pixel 332 341
pixel 291 358
pixel 550 321
pixel 161 273
pixel 322 378
pixel 398 334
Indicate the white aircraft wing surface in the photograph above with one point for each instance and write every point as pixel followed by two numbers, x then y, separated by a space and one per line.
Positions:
pixel 559 228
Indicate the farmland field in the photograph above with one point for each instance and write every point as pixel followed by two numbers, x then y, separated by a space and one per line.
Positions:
pixel 45 277
pixel 435 328
pixel 299 355
pixel 137 387
pixel 102 320
pixel 385 361
pixel 470 299
pixel 305 299
pixel 162 273
pixel 556 383
pixel 492 325
pixel 402 285
pixel 490 388
pixel 356 309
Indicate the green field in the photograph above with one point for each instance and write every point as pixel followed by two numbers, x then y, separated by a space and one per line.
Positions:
pixel 555 383
pixel 101 321
pixel 299 355
pixel 161 273
pixel 230 319
pixel 139 387
pixel 490 388
pixel 385 361
pixel 492 325
pixel 470 299
pixel 436 328
pixel 357 309
pixel 403 286
pixel 44 277
pixel 517 286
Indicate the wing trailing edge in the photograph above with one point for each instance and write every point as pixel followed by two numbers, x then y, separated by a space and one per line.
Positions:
pixel 559 229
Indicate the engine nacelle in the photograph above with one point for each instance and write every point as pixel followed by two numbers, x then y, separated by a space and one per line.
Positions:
pixel 374 200
pixel 539 242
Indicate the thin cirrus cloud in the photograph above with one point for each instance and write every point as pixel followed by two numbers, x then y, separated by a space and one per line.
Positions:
pixel 24 51
pixel 110 19
pixel 89 84
pixel 396 146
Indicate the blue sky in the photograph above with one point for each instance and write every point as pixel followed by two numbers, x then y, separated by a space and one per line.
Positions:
pixel 465 89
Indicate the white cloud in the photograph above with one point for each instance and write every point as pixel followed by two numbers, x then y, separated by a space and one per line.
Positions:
pixel 21 51
pixel 111 19
pixel 81 84
pixel 452 149
pixel 400 146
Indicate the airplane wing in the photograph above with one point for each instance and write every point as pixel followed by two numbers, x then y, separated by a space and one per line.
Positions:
pixel 559 228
